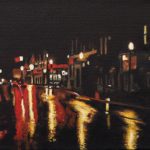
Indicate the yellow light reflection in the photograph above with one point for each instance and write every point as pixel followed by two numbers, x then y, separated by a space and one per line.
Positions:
pixel 108 122
pixel 32 124
pixel 85 116
pixel 52 122
pixel 132 128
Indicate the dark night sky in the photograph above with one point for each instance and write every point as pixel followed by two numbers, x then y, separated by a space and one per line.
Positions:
pixel 37 25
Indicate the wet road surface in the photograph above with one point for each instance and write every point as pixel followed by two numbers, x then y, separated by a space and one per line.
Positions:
pixel 74 125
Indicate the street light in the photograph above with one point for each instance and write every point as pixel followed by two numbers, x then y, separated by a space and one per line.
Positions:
pixel 44 70
pixel 51 61
pixel 1 70
pixel 31 67
pixel 51 67
pixel 81 55
pixel 46 55
pixel 21 58
pixel 22 71
pixel 88 62
pixel 22 68
pixel 2 80
pixel 131 48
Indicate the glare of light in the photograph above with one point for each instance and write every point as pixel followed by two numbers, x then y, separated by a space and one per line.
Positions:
pixel 64 73
pixel 1 83
pixel 44 70
pixel 52 122
pixel 21 58
pixel 131 46
pixel 22 68
pixel 108 122
pixel 131 128
pixel 81 55
pixel 124 57
pixel 145 39
pixel 31 66
pixel 83 64
pixel 1 70
pixel 88 62
pixel 46 55
pixel 2 80
pixel 32 124
pixel 68 56
pixel 85 116
pixel 107 106
pixel 10 81
pixel 145 29
pixel 51 61
pixel 48 97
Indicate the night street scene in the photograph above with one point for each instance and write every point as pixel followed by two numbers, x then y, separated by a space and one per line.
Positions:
pixel 74 75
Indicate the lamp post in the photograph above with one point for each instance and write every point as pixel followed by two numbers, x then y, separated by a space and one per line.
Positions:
pixel 31 67
pixel 47 73
pixel 22 72
pixel 131 48
pixel 51 67
pixel 44 76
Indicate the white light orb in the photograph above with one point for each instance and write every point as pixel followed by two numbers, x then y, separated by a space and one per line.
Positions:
pixel 2 80
pixel 83 65
pixel 51 61
pixel 88 62
pixel 131 46
pixel 22 68
pixel 31 66
pixel 64 73
pixel 44 70
pixel 81 55
pixel 21 58
pixel 46 55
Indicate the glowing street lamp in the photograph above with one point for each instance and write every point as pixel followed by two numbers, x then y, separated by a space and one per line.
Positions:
pixel 46 55
pixel 2 80
pixel 81 55
pixel 31 67
pixel 131 46
pixel 51 61
pixel 44 70
pixel 21 58
pixel 88 62
pixel 22 68
pixel 68 56
pixel 1 70
pixel 22 71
